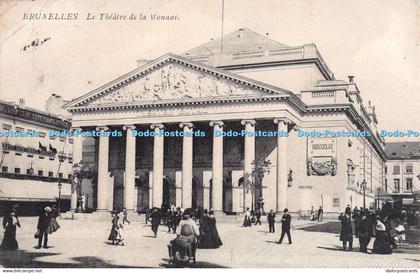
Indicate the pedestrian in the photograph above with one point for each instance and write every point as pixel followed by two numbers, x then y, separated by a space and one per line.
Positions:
pixel 271 220
pixel 364 233
pixel 214 240
pixel 114 228
pixel 204 229
pixel 320 214
pixel 42 227
pixel 258 216
pixel 125 216
pixel 286 222
pixel 156 218
pixel 10 222
pixel 247 218
pixel 120 233
pixel 356 217
pixel 147 215
pixel 346 233
pixel 380 245
pixel 169 217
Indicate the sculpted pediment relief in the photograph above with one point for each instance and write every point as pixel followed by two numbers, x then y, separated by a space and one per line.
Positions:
pixel 176 81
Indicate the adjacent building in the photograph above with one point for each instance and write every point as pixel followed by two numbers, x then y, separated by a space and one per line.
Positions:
pixel 402 170
pixel 35 166
pixel 188 129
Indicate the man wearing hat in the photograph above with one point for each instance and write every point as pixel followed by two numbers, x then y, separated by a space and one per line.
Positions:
pixel 285 226
pixel 43 223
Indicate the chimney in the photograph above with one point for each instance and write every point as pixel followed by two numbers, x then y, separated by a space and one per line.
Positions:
pixel 241 33
pixel 22 103
pixel 267 34
pixel 351 79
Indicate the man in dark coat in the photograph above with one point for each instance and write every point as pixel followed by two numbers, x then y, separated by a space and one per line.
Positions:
pixel 320 214
pixel 346 233
pixel 156 218
pixel 365 230
pixel 285 226
pixel 258 216
pixel 43 223
pixel 271 219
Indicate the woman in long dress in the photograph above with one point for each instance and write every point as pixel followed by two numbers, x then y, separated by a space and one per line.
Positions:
pixel 380 245
pixel 9 224
pixel 214 240
pixel 114 232
pixel 247 219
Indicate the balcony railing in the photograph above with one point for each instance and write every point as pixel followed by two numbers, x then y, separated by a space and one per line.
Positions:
pixel 291 53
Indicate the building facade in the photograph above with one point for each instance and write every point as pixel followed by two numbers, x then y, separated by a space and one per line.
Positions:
pixel 33 162
pixel 402 170
pixel 188 129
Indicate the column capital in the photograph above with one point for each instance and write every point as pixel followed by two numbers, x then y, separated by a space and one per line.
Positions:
pixel 157 125
pixel 248 121
pixel 189 125
pixel 129 126
pixel 285 121
pixel 102 128
pixel 75 129
pixel 216 122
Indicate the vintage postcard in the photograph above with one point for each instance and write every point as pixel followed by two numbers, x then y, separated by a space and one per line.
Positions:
pixel 210 134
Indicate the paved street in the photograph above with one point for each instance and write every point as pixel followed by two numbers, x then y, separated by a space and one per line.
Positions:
pixel 82 243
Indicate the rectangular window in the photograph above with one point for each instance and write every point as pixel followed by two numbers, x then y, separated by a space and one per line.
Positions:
pixel 396 185
pixel 7 127
pixel 409 184
pixel 396 169
pixel 336 202
pixel 386 170
pixel 50 174
pixel 29 171
pixel 40 172
pixel 4 169
pixel 17 170
pixel 386 185
pixel 409 169
pixel 60 175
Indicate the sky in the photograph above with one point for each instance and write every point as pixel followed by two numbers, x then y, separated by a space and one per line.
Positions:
pixel 377 41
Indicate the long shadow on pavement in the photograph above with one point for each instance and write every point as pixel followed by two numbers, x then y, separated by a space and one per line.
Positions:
pixel 25 259
pixel 192 265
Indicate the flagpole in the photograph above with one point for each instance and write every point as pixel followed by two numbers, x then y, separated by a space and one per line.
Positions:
pixel 223 14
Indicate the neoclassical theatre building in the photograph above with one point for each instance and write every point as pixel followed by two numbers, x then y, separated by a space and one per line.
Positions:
pixel 315 133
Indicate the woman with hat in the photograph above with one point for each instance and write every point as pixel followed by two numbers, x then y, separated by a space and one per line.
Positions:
pixel 380 245
pixel 114 229
pixel 10 222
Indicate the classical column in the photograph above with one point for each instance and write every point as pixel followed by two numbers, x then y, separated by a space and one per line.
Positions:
pixel 281 200
pixel 130 168
pixel 249 157
pixel 103 170
pixel 217 168
pixel 187 162
pixel 157 196
pixel 77 158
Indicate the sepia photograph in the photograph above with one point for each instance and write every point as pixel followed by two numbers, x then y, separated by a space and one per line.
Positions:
pixel 241 134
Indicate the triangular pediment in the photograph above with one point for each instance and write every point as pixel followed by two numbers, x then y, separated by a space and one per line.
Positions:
pixel 174 78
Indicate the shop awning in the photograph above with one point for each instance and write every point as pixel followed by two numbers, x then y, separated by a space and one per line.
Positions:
pixel 31 190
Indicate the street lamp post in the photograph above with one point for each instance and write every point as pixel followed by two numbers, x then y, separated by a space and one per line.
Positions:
pixel 59 196
pixel 364 194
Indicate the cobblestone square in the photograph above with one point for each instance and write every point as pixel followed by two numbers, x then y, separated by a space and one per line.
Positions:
pixel 82 243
